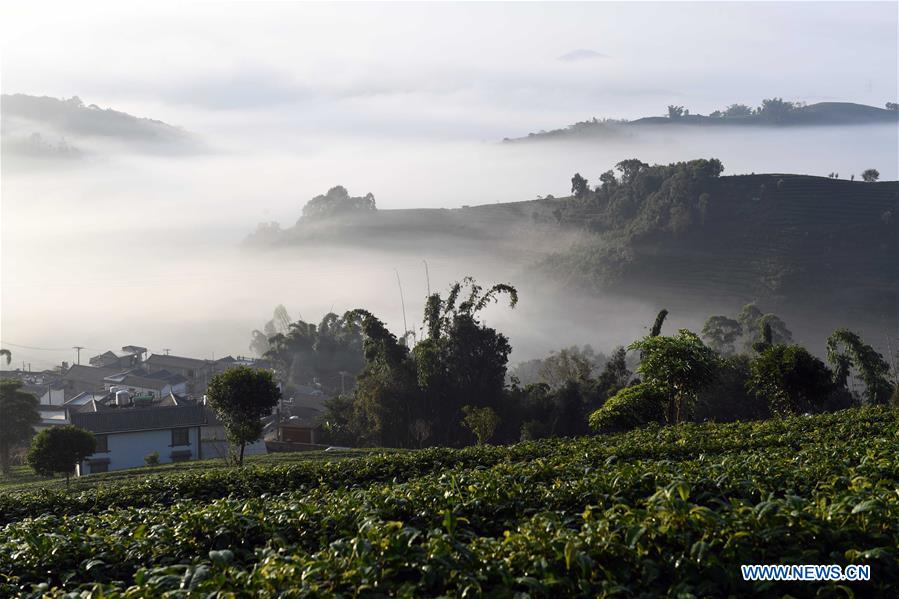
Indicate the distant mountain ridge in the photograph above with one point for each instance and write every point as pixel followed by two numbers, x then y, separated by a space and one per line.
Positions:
pixel 41 127
pixel 778 114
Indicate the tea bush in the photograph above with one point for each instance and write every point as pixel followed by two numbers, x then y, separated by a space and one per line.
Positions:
pixel 668 511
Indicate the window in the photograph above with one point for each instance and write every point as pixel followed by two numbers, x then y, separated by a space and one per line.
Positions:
pixel 180 436
pixel 102 444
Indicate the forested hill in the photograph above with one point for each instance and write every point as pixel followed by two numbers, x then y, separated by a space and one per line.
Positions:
pixel 773 112
pixel 678 230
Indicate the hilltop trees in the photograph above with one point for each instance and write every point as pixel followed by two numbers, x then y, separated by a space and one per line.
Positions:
pixel 871 175
pixel 241 397
pixel 18 416
pixel 579 186
pixel 59 449
pixel 337 202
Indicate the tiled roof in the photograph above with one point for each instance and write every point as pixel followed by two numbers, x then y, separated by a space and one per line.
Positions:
pixel 89 374
pixel 165 361
pixel 116 420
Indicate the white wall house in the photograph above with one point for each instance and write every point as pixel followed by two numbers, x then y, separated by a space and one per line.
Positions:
pixel 126 435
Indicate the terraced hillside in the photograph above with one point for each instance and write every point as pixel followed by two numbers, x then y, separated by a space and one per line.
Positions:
pixel 660 511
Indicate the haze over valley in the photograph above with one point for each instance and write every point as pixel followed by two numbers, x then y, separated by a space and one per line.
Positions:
pixel 126 210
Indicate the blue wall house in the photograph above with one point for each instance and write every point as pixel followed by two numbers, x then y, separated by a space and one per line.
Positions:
pixel 129 430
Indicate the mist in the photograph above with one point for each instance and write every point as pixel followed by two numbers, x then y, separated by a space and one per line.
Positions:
pixel 136 244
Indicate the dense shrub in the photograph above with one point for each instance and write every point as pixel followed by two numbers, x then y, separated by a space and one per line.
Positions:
pixel 630 408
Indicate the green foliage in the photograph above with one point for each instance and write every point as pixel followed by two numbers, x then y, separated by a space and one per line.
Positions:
pixel 657 325
pixel 721 333
pixel 482 422
pixel 630 408
pixel 18 416
pixel 658 512
pixel 241 397
pixel 337 202
pixel 790 379
pixel 870 175
pixel 152 458
pixel 579 186
pixel 756 325
pixel 400 394
pixel 679 368
pixel 846 349
pixel 330 353
pixel 59 449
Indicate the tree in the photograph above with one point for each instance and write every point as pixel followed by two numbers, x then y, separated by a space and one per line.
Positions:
pixel 7 354
pixel 753 322
pixel 871 175
pixel 657 325
pixel 607 180
pixel 721 332
pixel 59 449
pixel 630 168
pixel 846 349
pixel 18 416
pixel 241 397
pixel 790 379
pixel 892 106
pixel 679 367
pixel 482 422
pixel 675 112
pixel 570 364
pixel 336 202
pixel 579 186
pixel 737 110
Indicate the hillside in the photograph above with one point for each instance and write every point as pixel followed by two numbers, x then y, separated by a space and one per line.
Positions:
pixel 45 127
pixel 819 247
pixel 658 511
pixel 821 114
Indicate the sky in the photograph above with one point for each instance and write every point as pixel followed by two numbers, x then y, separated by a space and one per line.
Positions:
pixel 405 100
pixel 443 71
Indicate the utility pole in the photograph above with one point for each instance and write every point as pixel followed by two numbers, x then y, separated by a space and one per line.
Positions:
pixel 78 349
pixel 166 350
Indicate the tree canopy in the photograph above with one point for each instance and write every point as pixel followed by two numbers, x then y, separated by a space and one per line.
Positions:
pixel 242 397
pixel 57 450
pixel 18 416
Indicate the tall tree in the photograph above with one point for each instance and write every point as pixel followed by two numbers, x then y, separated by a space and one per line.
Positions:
pixel 241 398
pixel 721 332
pixel 579 186
pixel 18 416
pixel 657 325
pixel 845 349
pixel 679 367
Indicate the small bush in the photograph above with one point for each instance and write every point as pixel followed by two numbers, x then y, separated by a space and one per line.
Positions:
pixel 152 458
pixel 630 408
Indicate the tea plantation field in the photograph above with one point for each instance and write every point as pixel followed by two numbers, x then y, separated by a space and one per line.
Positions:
pixel 657 512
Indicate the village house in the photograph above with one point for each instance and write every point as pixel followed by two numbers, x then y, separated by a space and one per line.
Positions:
pixel 196 372
pixel 129 357
pixel 129 428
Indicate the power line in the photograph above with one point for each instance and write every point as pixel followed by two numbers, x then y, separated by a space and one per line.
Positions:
pixel 39 348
